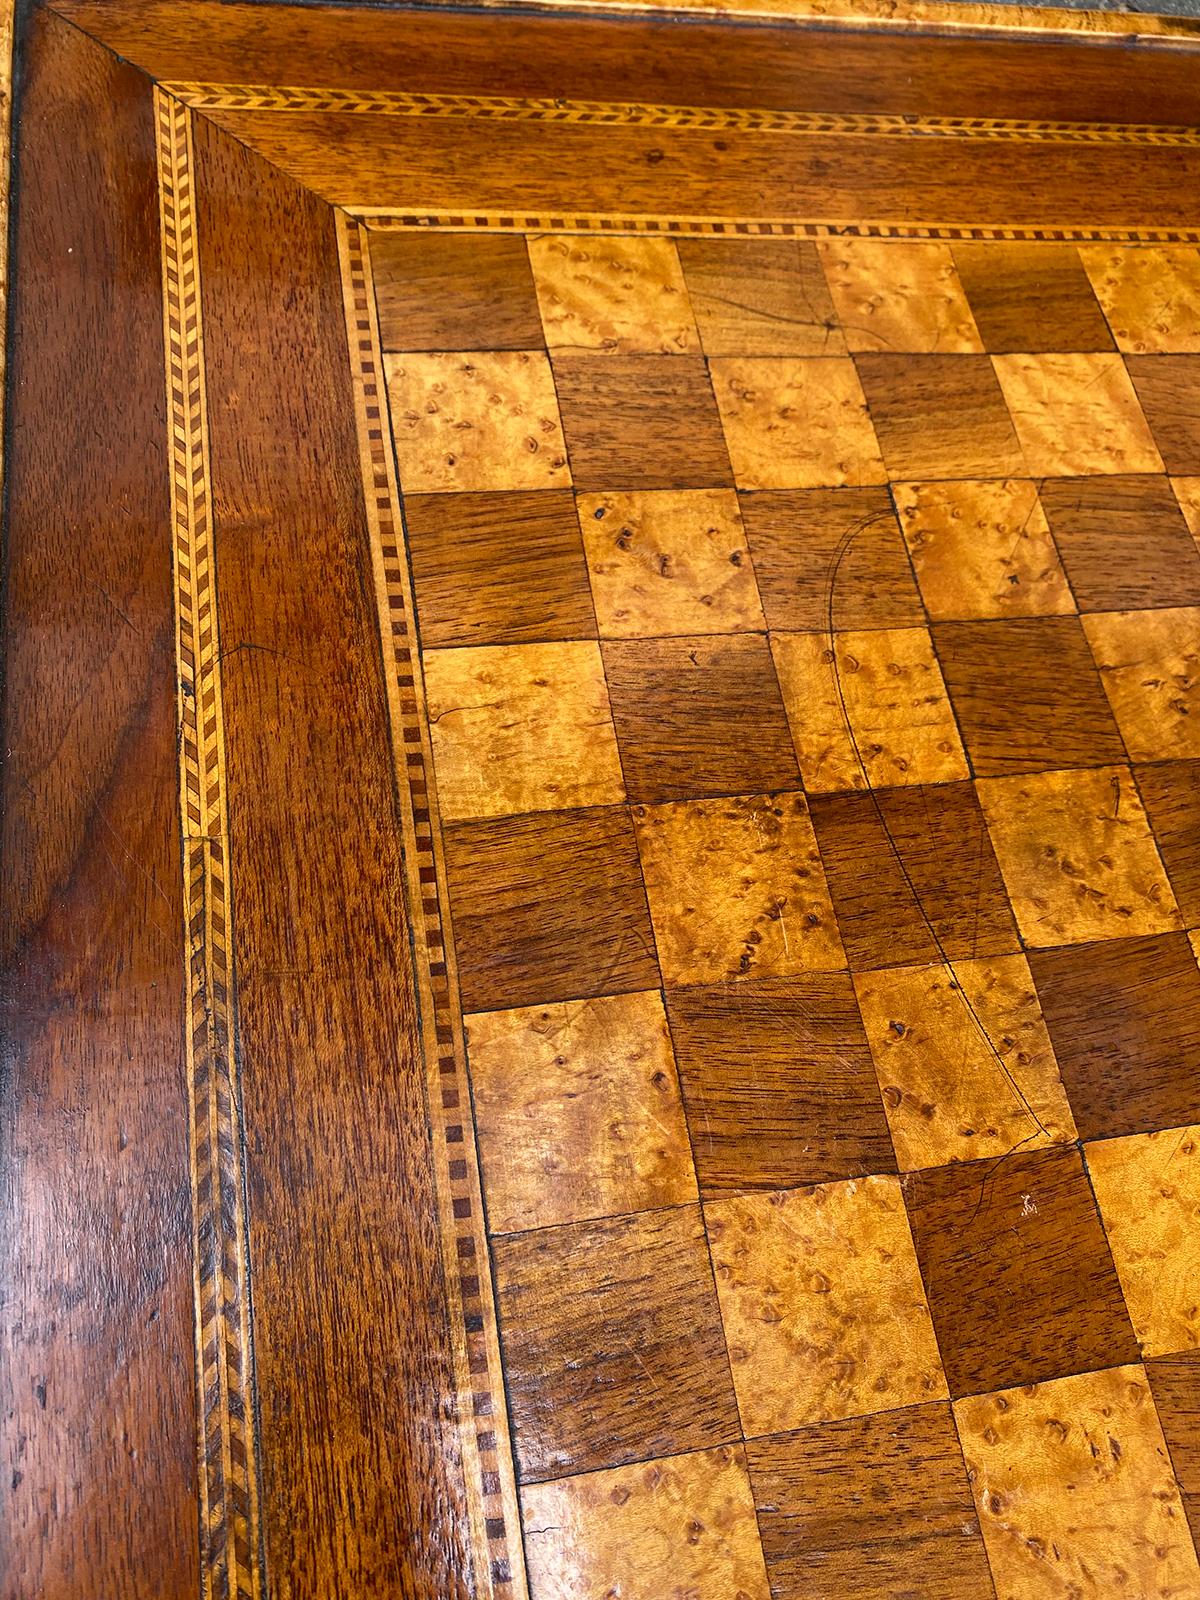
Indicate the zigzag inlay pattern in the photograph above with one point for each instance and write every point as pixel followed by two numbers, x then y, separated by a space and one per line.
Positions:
pixel 399 103
pixel 231 1547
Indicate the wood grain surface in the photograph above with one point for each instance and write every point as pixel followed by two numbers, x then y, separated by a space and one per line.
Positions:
pixel 99 1424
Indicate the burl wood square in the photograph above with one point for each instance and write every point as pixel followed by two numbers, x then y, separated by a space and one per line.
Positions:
pixel 1150 294
pixel 578 1111
pixel 1018 1272
pixel 822 1303
pixel 899 295
pixel 799 424
pixel 612 296
pixel 1076 414
pixel 778 1083
pixel 1149 664
pixel 548 907
pixel 612 1341
pixel 681 1526
pixel 470 422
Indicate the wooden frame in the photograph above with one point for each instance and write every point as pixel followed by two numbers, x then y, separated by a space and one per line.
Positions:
pixel 216 957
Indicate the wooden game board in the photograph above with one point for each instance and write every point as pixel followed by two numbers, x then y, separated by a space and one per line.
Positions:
pixel 602 828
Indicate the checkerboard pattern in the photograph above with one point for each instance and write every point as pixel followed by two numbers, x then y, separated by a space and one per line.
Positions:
pixel 811 637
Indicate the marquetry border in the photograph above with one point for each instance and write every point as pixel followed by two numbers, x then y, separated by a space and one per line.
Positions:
pixel 719 119
pixel 232 1555
pixel 753 227
pixel 482 1410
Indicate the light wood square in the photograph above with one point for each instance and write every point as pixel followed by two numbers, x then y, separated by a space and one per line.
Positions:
pixel 612 296
pixel 825 1315
pixel 485 420
pixel 963 1059
pixel 736 889
pixel 669 562
pixel 898 295
pixel 522 727
pixel 1149 664
pixel 1076 414
pixel 1077 856
pixel 578 1110
pixel 800 424
pixel 1150 294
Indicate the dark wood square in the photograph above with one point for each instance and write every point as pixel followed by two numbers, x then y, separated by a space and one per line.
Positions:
pixel 778 1083
pixel 813 545
pixel 454 291
pixel 1123 542
pixel 1124 1019
pixel 548 907
pixel 869 1507
pixel 1027 695
pixel 641 422
pixel 1170 792
pixel 940 417
pixel 1175 1385
pixel 1167 387
pixel 1031 297
pixel 498 568
pixel 760 297
pixel 698 716
pixel 1018 1273
pixel 613 1344
pixel 900 860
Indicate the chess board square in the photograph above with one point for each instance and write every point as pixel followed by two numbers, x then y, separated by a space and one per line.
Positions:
pixel 1149 664
pixel 1150 294
pixel 873 704
pixel 1166 389
pixel 521 727
pixel 736 889
pixel 612 296
pixel 1170 792
pixel 778 1083
pixel 940 416
pixel 1102 1498
pixel 1017 1269
pixel 795 424
pixel 1076 414
pixel 1123 542
pixel 1031 297
pixel 1148 1190
pixel 641 422
pixel 910 870
pixel 898 295
pixel 682 708
pixel 454 291
pixel 1175 1383
pixel 498 568
pixel 548 907
pixel 613 1348
pixel 982 548
pixel 964 1060
pixel 1187 492
pixel 466 422
pixel 1077 856
pixel 578 1111
pixel 682 1526
pixel 1124 1016
pixel 856 1508
pixel 817 550
pixel 669 562
pixel 1027 694
pixel 822 1303
pixel 760 297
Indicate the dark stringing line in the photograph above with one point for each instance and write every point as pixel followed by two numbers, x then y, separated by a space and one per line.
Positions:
pixel 839 556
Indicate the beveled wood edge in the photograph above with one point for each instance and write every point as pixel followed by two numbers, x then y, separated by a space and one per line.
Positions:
pixel 482 1411
pixel 945 17
pixel 231 1532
